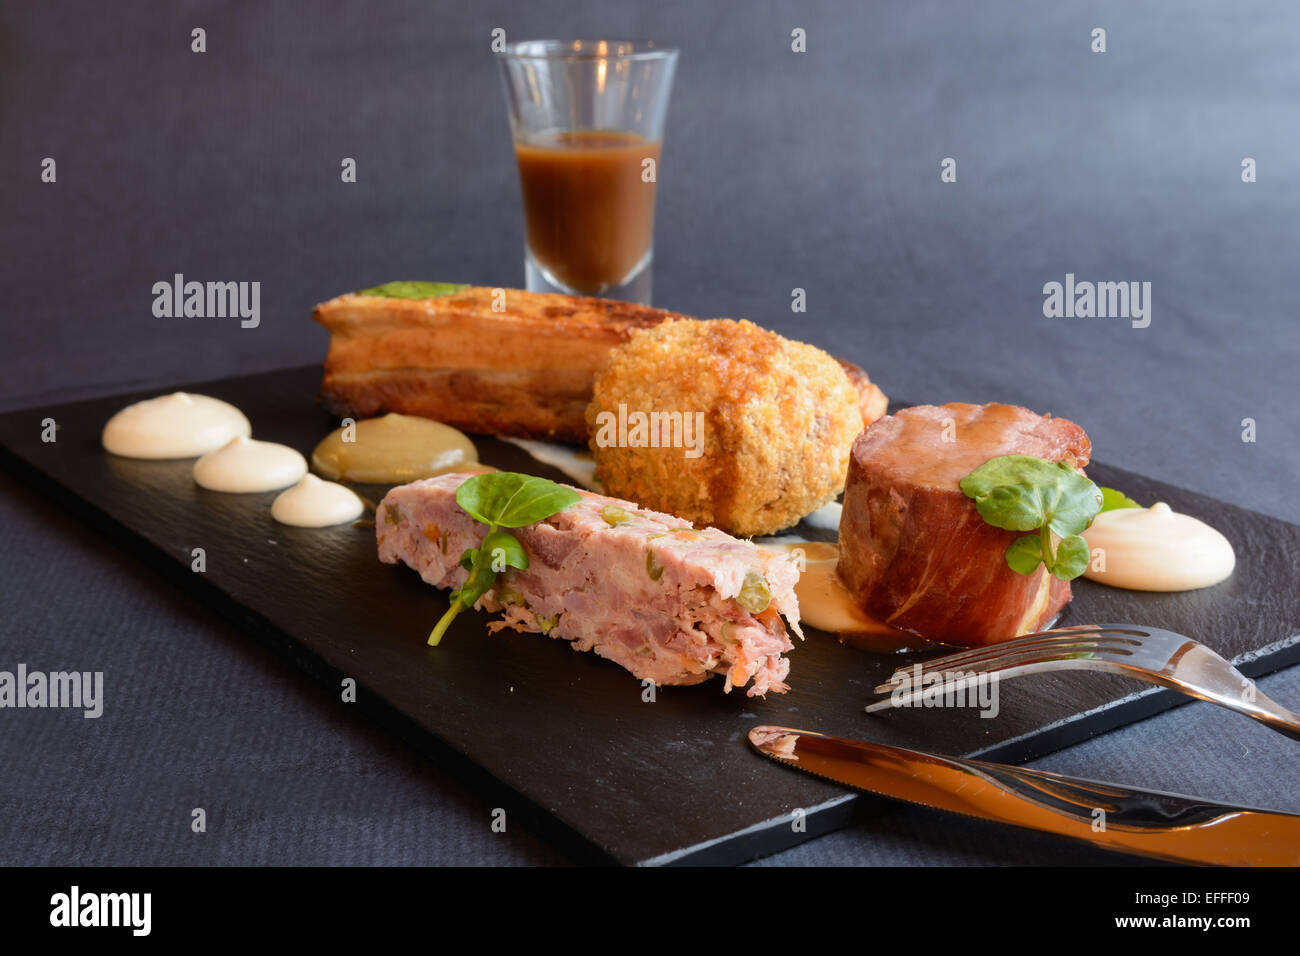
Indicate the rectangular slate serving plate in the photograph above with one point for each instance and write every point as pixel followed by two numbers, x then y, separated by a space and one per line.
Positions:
pixel 566 741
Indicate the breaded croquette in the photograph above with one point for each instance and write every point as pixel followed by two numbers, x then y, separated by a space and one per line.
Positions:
pixel 776 421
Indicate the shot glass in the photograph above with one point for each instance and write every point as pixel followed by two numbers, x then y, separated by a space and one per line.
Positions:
pixel 587 119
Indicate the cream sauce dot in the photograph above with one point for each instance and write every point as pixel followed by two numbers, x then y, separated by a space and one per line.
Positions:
pixel 1156 549
pixel 313 503
pixel 244 465
pixel 179 425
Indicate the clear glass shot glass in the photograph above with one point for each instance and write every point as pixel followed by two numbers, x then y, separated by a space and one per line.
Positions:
pixel 587 118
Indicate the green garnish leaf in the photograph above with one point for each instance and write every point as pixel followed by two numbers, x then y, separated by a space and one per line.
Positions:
pixel 504 551
pixel 754 594
pixel 500 499
pixel 507 499
pixel 1023 493
pixel 1072 556
pixel 1025 554
pixel 1012 490
pixel 1112 500
pixel 414 290
pixel 1012 507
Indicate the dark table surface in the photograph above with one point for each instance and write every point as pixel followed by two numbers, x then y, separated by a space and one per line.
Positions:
pixel 781 170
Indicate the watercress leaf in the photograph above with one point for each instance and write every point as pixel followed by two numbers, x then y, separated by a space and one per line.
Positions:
pixel 1025 554
pixel 1024 470
pixel 1010 490
pixel 1112 500
pixel 1072 503
pixel 504 550
pixel 1072 556
pixel 468 558
pixel 1012 507
pixel 414 290
pixel 506 499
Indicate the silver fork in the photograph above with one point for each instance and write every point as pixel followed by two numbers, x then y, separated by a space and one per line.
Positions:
pixel 1147 653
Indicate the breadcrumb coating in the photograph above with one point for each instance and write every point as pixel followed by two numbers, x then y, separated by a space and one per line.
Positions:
pixel 779 419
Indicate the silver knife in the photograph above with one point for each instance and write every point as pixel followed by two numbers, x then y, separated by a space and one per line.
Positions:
pixel 1167 826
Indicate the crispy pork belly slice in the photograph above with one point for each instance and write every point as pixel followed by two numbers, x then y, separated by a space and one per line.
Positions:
pixel 914 550
pixel 526 370
pixel 648 592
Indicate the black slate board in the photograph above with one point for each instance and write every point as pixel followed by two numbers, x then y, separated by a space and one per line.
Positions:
pixel 566 740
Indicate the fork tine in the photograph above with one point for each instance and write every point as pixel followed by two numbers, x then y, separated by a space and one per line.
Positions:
pixel 1089 631
pixel 1042 638
pixel 1036 654
pixel 1019 665
pixel 913 693
pixel 999 650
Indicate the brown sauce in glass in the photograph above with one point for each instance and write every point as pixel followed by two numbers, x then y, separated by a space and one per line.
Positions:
pixel 588 212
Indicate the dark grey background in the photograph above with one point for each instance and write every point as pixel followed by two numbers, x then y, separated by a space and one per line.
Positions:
pixel 780 170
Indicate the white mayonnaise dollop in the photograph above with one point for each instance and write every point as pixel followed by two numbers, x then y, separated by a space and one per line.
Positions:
pixel 313 503
pixel 1156 549
pixel 179 425
pixel 244 465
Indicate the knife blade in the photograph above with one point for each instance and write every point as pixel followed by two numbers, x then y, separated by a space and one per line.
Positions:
pixel 1167 826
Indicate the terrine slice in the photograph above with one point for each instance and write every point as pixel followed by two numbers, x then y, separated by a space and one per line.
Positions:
pixel 670 603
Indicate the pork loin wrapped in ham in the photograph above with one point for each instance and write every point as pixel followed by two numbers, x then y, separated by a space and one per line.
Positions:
pixel 914 550
pixel 646 590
